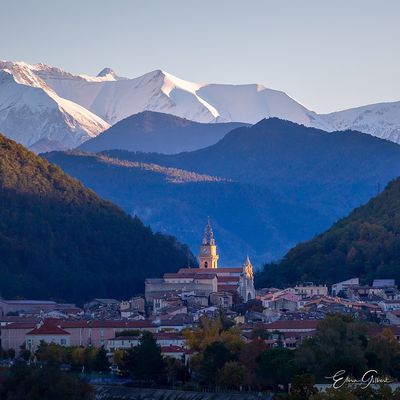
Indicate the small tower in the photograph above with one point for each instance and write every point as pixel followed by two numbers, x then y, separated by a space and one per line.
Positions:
pixel 208 256
pixel 247 290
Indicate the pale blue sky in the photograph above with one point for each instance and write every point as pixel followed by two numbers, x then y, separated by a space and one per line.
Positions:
pixel 329 55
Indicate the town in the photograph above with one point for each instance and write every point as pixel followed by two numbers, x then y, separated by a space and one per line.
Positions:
pixel 178 302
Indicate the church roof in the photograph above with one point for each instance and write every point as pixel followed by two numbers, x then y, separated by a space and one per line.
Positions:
pixel 213 270
pixel 182 275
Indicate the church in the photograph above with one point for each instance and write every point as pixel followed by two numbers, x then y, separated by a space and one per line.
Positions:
pixel 208 278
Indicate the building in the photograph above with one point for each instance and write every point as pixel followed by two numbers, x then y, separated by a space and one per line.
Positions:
pixel 132 308
pixel 81 333
pixel 221 299
pixel 310 290
pixel 342 286
pixel 208 278
pixel 47 332
pixel 33 307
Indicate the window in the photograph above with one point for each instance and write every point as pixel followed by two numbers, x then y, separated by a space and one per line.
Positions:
pixel 63 342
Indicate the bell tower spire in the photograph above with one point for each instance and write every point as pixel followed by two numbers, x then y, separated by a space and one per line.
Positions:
pixel 208 255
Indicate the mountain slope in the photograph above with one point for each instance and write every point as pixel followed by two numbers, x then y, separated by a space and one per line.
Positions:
pixel 381 120
pixel 157 132
pixel 365 244
pixel 247 219
pixel 330 172
pixel 60 240
pixel 30 111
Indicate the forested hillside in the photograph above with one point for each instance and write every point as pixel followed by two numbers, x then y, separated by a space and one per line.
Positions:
pixel 60 240
pixel 365 244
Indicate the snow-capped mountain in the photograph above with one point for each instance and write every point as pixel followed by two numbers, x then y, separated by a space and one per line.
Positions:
pixel 31 112
pixel 46 105
pixel 114 98
pixel 381 120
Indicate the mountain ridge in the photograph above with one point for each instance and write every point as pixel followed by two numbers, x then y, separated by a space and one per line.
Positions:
pixel 151 131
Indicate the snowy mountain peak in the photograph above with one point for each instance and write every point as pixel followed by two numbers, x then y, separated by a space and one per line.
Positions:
pixel 107 73
pixel 32 112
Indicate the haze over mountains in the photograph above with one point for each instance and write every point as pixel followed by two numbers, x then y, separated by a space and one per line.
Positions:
pixel 47 108
pixel 279 183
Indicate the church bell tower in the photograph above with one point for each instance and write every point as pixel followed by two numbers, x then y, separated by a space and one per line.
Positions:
pixel 208 256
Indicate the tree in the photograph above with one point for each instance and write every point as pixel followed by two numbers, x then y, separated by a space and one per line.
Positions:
pixel 145 361
pixel 176 371
pixel 302 387
pixel 101 363
pixel 46 383
pixel 51 353
pixel 213 359
pixel 248 357
pixel 339 343
pixel 212 330
pixel 276 366
pixel 231 375
pixel 383 354
pixel 24 353
pixel 118 357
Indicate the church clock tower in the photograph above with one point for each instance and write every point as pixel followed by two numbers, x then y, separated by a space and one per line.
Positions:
pixel 208 256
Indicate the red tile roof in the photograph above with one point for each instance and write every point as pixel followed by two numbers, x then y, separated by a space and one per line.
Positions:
pixel 172 349
pixel 48 329
pixel 222 279
pixel 227 288
pixel 213 270
pixel 20 325
pixel 185 275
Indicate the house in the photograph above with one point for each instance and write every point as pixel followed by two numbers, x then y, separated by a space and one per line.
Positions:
pixel 82 333
pixel 284 302
pixel 122 343
pixel 342 286
pixel 33 307
pixel 132 308
pixel 47 332
pixel 310 290
pixel 389 305
pixel 221 299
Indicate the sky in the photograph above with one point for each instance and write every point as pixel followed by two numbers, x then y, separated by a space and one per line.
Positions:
pixel 327 54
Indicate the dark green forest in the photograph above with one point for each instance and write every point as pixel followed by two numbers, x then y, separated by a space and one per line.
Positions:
pixel 365 244
pixel 60 240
